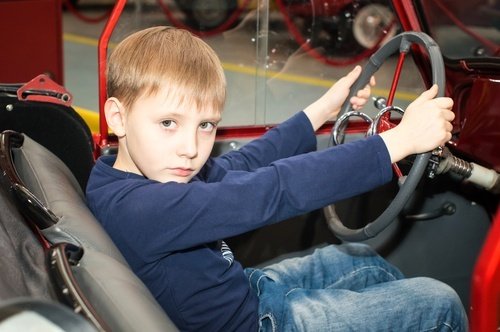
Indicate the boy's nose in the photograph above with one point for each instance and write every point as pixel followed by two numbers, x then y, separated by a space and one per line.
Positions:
pixel 188 146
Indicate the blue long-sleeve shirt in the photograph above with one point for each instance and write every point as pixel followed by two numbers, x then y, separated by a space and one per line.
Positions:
pixel 170 233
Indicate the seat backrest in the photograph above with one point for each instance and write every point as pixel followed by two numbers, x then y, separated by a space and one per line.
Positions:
pixel 57 127
pixel 47 190
pixel 53 184
pixel 22 259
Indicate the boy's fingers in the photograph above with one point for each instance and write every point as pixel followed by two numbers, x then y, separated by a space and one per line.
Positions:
pixel 353 75
pixel 357 102
pixel 449 127
pixel 444 102
pixel 365 92
pixel 449 116
pixel 428 94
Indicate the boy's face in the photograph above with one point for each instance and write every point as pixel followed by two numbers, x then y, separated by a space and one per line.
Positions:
pixel 164 142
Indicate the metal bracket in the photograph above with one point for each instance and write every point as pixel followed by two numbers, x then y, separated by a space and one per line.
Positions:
pixel 43 89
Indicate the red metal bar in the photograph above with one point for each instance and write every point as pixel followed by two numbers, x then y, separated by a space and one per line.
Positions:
pixel 355 127
pixel 102 53
pixel 395 80
pixel 397 170
pixel 485 297
pixel 405 11
pixel 385 122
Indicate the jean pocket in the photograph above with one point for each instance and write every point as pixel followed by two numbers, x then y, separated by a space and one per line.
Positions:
pixel 267 323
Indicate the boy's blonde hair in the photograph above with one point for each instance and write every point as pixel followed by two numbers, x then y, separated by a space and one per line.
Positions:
pixel 170 58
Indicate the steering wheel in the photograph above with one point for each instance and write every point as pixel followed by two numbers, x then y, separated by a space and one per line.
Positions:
pixel 402 44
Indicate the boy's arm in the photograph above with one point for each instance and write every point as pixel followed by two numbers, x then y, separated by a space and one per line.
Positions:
pixel 175 216
pixel 292 137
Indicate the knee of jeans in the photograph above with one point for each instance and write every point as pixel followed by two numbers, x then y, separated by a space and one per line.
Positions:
pixel 447 299
pixel 436 289
pixel 267 323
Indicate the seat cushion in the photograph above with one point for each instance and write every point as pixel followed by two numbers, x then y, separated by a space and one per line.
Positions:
pixel 119 297
pixel 31 314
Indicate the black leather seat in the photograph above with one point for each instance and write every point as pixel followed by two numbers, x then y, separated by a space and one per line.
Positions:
pixel 91 274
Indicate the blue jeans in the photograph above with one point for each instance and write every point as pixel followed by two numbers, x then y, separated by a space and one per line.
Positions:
pixel 351 288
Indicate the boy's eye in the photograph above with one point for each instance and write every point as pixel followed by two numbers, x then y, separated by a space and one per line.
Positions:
pixel 207 126
pixel 167 123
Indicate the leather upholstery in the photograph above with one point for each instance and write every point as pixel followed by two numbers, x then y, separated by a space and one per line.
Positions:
pixel 107 281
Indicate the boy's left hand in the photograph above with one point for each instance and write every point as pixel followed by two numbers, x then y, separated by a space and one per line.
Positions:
pixel 328 106
pixel 360 99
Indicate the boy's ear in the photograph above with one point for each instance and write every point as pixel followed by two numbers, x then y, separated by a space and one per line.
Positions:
pixel 115 116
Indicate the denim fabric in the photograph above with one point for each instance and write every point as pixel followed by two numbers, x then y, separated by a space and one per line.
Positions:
pixel 351 288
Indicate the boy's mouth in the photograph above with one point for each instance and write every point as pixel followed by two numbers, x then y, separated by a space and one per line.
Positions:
pixel 182 172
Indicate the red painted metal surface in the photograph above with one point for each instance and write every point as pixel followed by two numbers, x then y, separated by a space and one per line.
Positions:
pixel 102 53
pixel 355 127
pixel 485 301
pixel 405 11
pixel 480 123
pixel 43 89
pixel 395 80
pixel 31 38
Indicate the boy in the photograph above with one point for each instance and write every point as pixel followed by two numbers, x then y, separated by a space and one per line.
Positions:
pixel 167 205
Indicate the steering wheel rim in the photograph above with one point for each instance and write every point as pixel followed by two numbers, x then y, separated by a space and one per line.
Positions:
pixel 400 43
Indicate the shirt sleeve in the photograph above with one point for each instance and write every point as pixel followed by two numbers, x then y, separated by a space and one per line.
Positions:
pixel 292 137
pixel 175 216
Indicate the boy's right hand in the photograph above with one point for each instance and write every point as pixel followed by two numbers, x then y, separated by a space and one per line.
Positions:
pixel 425 125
